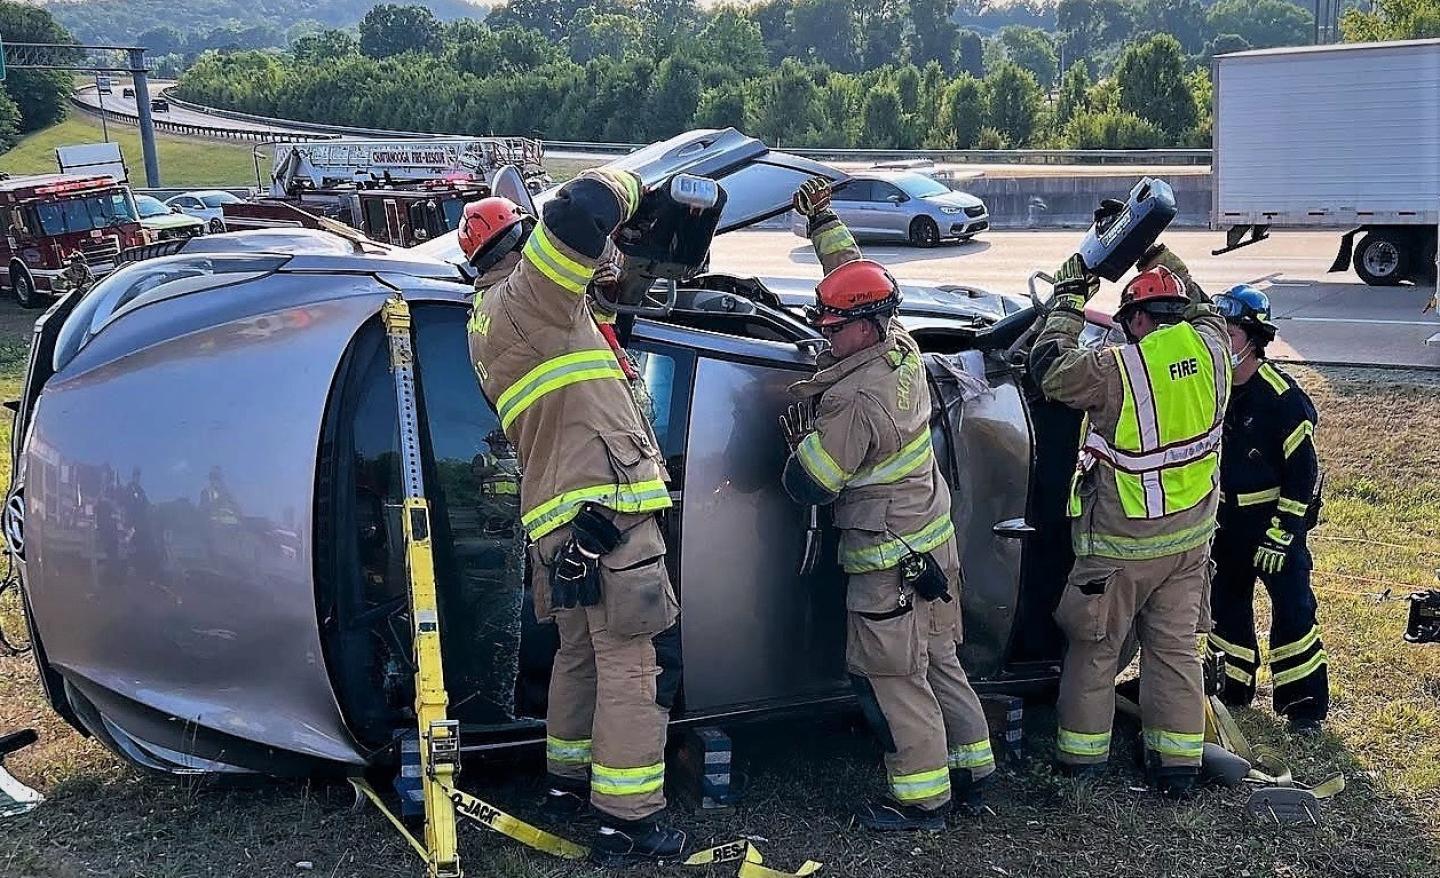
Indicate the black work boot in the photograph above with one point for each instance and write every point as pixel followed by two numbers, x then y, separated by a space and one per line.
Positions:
pixel 1080 770
pixel 887 815
pixel 1171 781
pixel 967 795
pixel 1304 726
pixel 566 799
pixel 625 842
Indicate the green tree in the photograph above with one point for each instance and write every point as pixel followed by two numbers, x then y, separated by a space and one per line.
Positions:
pixel 972 54
pixel 826 30
pixel 1033 50
pixel 1182 19
pixel 1088 27
pixel 592 34
pixel 1013 102
pixel 840 98
pixel 907 86
pixel 1112 131
pixel 1262 23
pixel 725 106
pixel 549 17
pixel 882 29
pixel 163 40
pixel 388 30
pixel 962 113
pixel 934 36
pixel 40 95
pixel 1074 95
pixel 674 96
pixel 789 107
pixel 773 19
pixel 1392 20
pixel 1223 44
pixel 1151 78
pixel 9 123
pixel 881 123
pixel 730 39
pixel 325 45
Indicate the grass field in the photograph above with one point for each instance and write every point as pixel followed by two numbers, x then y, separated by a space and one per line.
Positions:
pixel 1380 540
pixel 184 162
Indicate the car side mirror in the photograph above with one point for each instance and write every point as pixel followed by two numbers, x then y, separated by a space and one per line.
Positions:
pixel 896 199
pixel 175 210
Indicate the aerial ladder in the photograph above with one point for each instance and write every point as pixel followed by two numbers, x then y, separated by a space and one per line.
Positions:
pixel 312 165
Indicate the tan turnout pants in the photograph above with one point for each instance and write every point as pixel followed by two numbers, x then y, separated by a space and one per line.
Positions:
pixel 615 674
pixel 902 658
pixel 1164 599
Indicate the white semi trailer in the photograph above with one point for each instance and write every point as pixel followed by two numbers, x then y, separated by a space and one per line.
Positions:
pixel 1343 137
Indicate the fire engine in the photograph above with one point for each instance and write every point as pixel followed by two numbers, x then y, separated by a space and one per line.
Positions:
pixel 50 217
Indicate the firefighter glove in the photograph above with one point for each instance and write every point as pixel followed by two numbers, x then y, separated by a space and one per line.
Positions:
pixel 1074 280
pixel 797 422
pixel 574 577
pixel 595 534
pixel 1270 556
pixel 812 197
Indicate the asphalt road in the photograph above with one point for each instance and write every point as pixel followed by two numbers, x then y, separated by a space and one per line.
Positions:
pixel 116 102
pixel 1322 317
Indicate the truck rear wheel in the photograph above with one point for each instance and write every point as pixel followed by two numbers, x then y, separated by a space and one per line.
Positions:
pixel 1383 259
pixel 24 286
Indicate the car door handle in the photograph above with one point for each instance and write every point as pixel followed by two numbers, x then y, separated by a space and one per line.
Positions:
pixel 1012 529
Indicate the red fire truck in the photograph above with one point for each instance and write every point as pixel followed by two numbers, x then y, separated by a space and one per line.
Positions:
pixel 50 217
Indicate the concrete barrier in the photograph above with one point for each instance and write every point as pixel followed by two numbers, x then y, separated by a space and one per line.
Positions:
pixel 1059 202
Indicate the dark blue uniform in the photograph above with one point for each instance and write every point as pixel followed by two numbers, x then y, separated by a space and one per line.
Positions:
pixel 1268 471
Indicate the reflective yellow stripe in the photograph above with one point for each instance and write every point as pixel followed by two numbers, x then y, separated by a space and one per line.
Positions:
pixel 569 752
pixel 1257 497
pixel 564 271
pixel 834 240
pixel 609 781
pixel 888 554
pixel 1297 436
pixel 499 488
pixel 1294 507
pixel 820 465
pixel 628 186
pixel 1083 743
pixel 552 375
pixel 916 453
pixel 975 755
pixel 648 496
pixel 1182 745
pixel 1290 650
pixel 1240 652
pixel 1303 671
pixel 1235 673
pixel 921 785
pixel 1115 546
pixel 1273 377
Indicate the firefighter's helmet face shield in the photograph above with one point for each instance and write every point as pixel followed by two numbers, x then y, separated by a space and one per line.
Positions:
pixel 514 238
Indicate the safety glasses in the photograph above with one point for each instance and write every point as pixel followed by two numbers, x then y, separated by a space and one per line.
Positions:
pixel 1230 307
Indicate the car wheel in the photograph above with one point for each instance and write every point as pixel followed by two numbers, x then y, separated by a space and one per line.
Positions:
pixel 24 286
pixel 924 232
pixel 217 225
pixel 1383 259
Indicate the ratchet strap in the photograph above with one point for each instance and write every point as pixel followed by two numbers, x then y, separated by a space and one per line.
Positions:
pixel 752 863
pixel 489 816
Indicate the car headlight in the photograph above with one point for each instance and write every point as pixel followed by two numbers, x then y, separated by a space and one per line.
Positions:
pixel 949 211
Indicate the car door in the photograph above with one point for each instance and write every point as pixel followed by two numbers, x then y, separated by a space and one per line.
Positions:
pixel 889 210
pixel 851 202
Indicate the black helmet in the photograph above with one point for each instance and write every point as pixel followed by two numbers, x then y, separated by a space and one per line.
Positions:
pixel 1248 308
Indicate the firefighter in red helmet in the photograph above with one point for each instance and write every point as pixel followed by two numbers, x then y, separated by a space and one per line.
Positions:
pixel 860 440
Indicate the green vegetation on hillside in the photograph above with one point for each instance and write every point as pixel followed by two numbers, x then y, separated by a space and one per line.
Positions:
pixel 183 162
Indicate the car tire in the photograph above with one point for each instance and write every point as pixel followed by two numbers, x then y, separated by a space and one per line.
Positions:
pixel 1383 259
pixel 24 286
pixel 924 232
pixel 216 225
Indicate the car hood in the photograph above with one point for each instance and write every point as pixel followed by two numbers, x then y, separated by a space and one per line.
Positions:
pixel 170 221
pixel 922 303
pixel 759 182
pixel 953 199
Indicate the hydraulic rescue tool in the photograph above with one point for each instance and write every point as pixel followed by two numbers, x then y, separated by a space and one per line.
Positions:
pixel 1124 229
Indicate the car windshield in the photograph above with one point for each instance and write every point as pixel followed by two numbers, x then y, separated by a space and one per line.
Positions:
pixel 150 206
pixel 919 186
pixel 84 214
pixel 218 199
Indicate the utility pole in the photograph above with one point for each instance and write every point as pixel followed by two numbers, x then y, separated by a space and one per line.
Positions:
pixel 147 124
pixel 100 93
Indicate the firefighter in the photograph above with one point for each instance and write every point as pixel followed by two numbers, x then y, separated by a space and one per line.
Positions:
pixel 867 450
pixel 1143 502
pixel 592 480
pixel 1268 477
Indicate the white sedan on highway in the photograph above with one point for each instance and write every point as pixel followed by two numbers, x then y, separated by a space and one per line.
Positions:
pixel 208 205
pixel 904 206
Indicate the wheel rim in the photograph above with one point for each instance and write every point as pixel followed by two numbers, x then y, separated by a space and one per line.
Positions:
pixel 1381 258
pixel 926 233
pixel 24 289
pixel 15 524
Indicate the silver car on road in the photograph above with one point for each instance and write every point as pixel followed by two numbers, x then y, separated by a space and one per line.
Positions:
pixel 905 206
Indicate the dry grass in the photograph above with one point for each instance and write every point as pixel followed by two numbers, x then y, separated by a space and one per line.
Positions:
pixel 1383 458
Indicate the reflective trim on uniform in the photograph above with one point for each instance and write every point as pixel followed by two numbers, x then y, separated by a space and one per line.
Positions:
pixel 1177 455
pixel 554 374
pixel 1255 498
pixel 650 496
pixel 1182 745
pixel 977 755
pixel 1082 743
pixel 1273 377
pixel 567 752
pixel 1239 652
pixel 921 785
pixel 1294 507
pixel 916 453
pixel 1299 673
pixel 1294 648
pixel 1140 548
pixel 609 781
pixel 834 240
pixel 887 554
pixel 1297 436
pixel 1239 675
pixel 1142 396
pixel 820 465
pixel 547 258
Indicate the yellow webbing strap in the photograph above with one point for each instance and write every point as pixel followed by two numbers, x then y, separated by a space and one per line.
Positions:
pixel 752 863
pixel 365 789
pixel 489 816
pixel 1226 732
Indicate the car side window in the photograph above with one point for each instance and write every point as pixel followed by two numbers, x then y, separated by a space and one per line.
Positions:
pixel 665 376
pixel 883 192
pixel 855 190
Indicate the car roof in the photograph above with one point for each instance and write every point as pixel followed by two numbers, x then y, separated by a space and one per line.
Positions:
pixel 944 301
